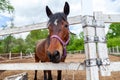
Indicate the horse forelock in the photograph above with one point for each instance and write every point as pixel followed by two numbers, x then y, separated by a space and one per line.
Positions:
pixel 57 17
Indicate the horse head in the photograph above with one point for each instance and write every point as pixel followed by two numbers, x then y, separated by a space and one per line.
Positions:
pixel 58 27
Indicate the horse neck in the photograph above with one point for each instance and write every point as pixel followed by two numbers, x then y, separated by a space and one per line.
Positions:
pixel 48 40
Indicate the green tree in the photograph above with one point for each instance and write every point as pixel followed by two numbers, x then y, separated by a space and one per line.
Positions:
pixel 81 36
pixel 7 43
pixel 113 35
pixel 1 46
pixel 76 43
pixel 6 6
pixel 10 43
pixel 33 37
pixel 113 42
pixel 114 30
pixel 18 45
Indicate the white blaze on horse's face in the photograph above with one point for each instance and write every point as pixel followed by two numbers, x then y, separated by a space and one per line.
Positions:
pixel 55 22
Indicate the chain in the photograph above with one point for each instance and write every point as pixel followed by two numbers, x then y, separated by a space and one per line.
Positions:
pixel 97 62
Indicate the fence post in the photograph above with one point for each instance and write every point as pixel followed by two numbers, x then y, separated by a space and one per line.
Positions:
pixel 113 50
pixel 31 55
pixel 101 44
pixel 117 49
pixel 10 55
pixel 109 50
pixel 21 55
pixel 90 45
pixel 80 51
pixel 90 48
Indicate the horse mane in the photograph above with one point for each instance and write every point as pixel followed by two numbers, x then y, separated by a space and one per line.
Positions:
pixel 59 16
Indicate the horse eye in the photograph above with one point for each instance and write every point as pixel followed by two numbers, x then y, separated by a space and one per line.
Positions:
pixel 66 26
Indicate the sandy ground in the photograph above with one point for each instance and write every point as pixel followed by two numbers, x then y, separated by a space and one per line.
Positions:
pixel 66 75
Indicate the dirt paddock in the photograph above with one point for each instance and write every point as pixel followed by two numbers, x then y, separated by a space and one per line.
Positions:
pixel 66 75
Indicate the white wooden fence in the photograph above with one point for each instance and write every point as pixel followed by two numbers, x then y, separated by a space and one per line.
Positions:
pixel 93 29
pixel 21 56
pixel 114 50
pixel 96 54
pixel 16 55
pixel 115 66
pixel 108 18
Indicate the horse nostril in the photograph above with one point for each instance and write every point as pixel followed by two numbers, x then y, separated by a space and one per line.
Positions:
pixel 56 53
pixel 55 57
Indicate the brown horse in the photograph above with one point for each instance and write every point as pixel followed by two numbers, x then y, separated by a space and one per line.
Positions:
pixel 53 49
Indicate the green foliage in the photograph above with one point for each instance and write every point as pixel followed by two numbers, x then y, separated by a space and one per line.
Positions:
pixel 113 35
pixel 10 43
pixel 76 43
pixel 114 30
pixel 113 42
pixel 18 46
pixel 33 37
pixel 1 46
pixel 6 6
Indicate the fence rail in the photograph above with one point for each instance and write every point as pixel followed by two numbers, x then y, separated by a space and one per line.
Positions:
pixel 114 50
pixel 16 55
pixel 114 66
pixel 41 66
pixel 108 18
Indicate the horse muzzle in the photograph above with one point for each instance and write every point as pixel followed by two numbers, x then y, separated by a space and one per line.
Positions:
pixel 54 57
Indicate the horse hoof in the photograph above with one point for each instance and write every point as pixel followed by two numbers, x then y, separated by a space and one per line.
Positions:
pixel 35 78
pixel 50 79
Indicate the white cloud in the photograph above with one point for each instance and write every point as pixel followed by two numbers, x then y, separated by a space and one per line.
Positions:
pixel 33 11
pixel 21 35
pixel 113 6
pixel 76 29
pixel 21 21
pixel 99 5
pixel 29 11
pixel 107 6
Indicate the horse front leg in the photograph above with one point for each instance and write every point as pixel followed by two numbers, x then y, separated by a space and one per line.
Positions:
pixel 36 60
pixel 59 75
pixel 49 75
pixel 35 77
pixel 45 75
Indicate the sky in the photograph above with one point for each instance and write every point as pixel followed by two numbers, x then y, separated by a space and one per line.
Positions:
pixel 33 11
pixel 3 20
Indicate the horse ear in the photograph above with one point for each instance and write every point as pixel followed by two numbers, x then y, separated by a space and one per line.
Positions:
pixel 48 11
pixel 66 8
